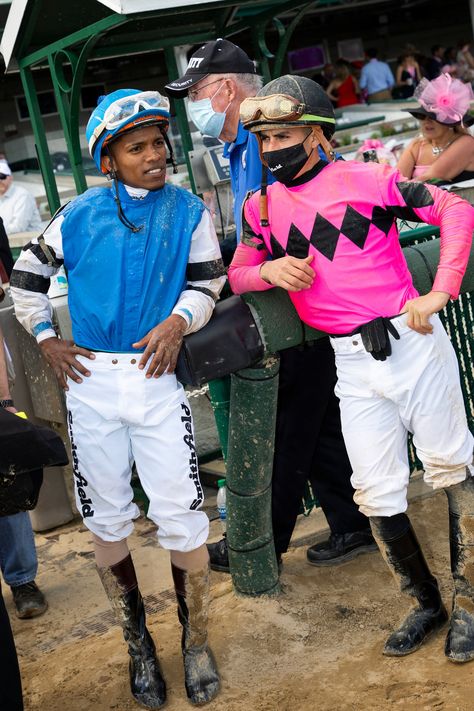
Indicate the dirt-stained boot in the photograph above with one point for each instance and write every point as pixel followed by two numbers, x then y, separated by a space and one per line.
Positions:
pixel 460 640
pixel 200 671
pixel 146 682
pixel 399 546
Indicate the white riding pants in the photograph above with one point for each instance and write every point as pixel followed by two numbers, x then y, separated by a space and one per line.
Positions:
pixel 417 390
pixel 117 416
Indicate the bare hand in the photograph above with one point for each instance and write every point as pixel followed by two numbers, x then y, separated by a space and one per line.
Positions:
pixel 290 273
pixel 420 309
pixel 164 341
pixel 61 355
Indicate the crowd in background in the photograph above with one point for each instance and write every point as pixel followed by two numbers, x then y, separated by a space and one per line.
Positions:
pixel 350 82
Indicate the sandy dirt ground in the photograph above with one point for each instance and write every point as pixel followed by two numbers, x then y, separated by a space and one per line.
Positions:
pixel 316 646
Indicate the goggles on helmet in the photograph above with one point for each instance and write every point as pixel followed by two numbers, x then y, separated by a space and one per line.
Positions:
pixel 279 109
pixel 274 107
pixel 125 109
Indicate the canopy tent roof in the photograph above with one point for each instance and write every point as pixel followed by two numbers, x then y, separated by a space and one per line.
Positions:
pixel 34 26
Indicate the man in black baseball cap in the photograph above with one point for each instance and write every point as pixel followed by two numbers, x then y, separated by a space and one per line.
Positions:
pixel 218 78
pixel 217 57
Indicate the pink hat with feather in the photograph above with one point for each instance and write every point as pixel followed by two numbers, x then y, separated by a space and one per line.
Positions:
pixel 444 99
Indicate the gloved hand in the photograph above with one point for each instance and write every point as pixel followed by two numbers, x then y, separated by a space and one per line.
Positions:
pixel 376 339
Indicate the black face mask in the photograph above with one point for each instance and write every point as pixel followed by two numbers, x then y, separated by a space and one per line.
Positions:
pixel 285 163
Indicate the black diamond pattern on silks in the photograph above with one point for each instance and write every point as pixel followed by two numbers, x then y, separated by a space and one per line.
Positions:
pixel 382 219
pixel 276 248
pixel 324 237
pixel 404 213
pixel 415 194
pixel 355 227
pixel 298 244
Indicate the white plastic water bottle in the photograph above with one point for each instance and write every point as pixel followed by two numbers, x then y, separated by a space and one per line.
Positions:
pixel 221 503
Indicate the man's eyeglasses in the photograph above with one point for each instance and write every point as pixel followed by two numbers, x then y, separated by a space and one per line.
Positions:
pixel 192 93
pixel 3 176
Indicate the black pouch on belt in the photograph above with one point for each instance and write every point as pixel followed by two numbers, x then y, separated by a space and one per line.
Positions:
pixel 376 339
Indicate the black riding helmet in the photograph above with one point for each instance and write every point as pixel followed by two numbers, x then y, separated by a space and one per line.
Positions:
pixel 317 108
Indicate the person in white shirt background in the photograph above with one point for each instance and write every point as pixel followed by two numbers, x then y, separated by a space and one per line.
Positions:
pixel 17 206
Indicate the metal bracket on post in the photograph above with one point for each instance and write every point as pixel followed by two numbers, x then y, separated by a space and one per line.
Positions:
pixel 262 53
pixel 285 34
pixel 67 95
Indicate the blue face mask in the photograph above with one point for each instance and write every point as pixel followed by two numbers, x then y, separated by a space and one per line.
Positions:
pixel 208 121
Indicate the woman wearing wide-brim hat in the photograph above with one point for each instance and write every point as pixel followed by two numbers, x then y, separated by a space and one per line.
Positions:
pixel 445 149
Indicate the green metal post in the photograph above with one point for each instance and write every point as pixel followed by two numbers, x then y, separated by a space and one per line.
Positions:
pixel 219 391
pixel 41 143
pixel 61 92
pixel 181 116
pixel 249 479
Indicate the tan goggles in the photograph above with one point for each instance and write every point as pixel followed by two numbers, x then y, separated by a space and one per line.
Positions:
pixel 274 107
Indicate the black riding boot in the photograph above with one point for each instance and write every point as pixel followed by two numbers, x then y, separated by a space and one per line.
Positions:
pixel 146 682
pixel 460 640
pixel 200 671
pixel 399 546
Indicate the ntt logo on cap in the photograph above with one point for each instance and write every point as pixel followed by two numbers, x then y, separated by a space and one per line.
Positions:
pixel 194 62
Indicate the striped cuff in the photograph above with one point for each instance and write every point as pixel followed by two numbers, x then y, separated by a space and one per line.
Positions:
pixel 43 330
pixel 43 326
pixel 185 313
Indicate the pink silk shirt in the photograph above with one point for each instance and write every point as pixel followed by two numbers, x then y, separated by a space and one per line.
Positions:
pixel 346 217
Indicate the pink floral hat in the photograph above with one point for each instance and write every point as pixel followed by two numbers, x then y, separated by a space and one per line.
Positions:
pixel 445 100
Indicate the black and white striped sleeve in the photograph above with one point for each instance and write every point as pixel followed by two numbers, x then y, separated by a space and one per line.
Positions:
pixel 205 276
pixel 39 260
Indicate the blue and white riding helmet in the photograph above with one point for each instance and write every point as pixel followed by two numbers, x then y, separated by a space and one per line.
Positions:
pixel 122 111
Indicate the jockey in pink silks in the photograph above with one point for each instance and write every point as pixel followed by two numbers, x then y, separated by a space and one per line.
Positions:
pixel 327 233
